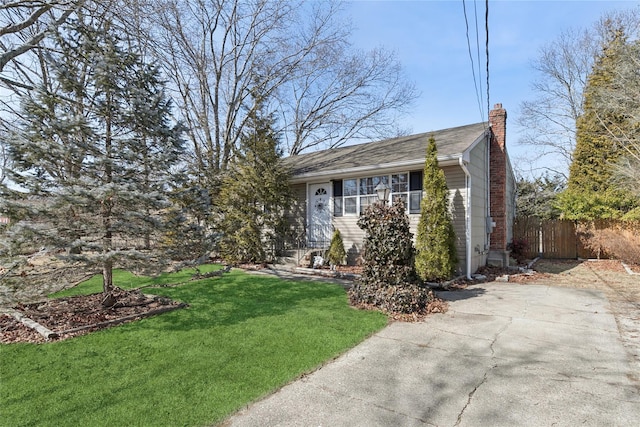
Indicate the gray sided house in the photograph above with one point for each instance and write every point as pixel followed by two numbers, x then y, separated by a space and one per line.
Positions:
pixel 333 187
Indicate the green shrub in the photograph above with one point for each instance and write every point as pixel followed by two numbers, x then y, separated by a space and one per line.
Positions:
pixel 389 281
pixel 436 257
pixel 337 253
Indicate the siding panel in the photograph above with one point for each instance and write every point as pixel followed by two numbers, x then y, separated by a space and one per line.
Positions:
pixel 352 236
pixel 479 205
pixel 455 178
pixel 297 217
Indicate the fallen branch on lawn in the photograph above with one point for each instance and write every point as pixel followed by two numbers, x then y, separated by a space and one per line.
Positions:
pixel 119 320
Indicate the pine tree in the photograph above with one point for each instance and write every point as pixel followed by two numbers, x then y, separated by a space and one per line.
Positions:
pixel 436 256
pixel 254 194
pixel 187 238
pixel 590 193
pixel 94 154
pixel 337 253
pixel 538 197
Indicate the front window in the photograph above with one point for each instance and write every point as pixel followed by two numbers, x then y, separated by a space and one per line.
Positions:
pixel 399 187
pixel 350 191
pixel 352 196
pixel 368 193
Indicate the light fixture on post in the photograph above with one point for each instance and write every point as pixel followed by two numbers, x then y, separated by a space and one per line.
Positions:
pixel 383 192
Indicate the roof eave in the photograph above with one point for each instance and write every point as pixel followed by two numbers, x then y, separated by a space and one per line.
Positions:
pixel 450 160
pixel 466 154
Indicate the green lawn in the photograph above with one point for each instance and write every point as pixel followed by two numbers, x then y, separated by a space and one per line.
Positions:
pixel 242 337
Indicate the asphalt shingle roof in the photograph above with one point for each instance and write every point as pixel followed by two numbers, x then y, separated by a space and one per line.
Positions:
pixel 450 143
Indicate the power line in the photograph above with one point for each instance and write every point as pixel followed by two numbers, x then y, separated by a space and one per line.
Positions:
pixel 486 25
pixel 473 69
pixel 475 12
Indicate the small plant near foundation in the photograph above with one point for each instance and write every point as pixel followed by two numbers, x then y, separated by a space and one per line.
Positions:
pixel 519 248
pixel 337 253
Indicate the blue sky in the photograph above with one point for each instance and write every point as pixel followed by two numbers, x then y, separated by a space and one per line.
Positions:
pixel 430 40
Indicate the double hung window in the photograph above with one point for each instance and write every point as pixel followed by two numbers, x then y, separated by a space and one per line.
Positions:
pixel 353 196
pixel 368 193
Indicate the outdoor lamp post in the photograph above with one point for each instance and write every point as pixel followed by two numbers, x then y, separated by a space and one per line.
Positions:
pixel 383 192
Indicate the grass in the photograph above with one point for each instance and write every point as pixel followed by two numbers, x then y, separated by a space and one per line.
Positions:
pixel 126 280
pixel 242 337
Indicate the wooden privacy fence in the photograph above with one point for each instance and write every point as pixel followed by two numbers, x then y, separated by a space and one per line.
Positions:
pixel 556 238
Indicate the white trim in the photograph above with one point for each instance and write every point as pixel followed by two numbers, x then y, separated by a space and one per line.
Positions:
pixel 448 160
pixel 310 208
pixel 358 196
pixel 466 154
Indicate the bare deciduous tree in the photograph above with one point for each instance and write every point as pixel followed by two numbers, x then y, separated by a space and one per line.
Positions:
pixel 550 119
pixel 24 24
pixel 295 53
pixel 563 66
pixel 4 156
pixel 344 96
pixel 215 53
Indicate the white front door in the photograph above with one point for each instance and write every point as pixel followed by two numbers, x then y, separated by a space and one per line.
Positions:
pixel 319 215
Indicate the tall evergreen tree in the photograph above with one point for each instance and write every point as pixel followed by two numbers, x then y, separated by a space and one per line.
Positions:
pixel 590 193
pixel 254 194
pixel 94 155
pixel 436 256
pixel 622 99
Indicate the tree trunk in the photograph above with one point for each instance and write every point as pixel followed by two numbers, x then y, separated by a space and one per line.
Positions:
pixel 107 204
pixel 107 276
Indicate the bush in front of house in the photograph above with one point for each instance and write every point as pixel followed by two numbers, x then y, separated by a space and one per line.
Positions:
pixel 389 280
pixel 337 253
pixel 436 257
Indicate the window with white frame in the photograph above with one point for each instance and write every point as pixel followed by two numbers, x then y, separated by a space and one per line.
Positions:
pixel 367 190
pixel 353 196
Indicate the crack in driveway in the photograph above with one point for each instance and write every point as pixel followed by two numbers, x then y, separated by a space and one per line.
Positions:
pixel 486 372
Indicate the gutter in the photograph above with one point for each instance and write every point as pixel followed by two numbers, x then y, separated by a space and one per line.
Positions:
pixel 467 218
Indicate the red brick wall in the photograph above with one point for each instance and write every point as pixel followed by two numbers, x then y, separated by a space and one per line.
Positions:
pixel 498 177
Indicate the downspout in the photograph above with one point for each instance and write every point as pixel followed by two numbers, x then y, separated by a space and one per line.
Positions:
pixel 487 234
pixel 467 218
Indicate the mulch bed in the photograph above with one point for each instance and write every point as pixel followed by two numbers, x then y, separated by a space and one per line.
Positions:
pixel 73 316
pixel 12 330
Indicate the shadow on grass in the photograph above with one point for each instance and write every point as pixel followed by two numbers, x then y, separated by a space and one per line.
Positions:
pixel 127 280
pixel 241 337
pixel 238 297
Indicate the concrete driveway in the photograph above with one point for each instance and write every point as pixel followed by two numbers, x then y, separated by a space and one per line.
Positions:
pixel 504 355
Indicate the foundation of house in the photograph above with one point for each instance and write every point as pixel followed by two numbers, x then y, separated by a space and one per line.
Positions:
pixel 498 258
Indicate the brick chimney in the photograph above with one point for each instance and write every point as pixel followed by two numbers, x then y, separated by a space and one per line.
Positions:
pixel 498 181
